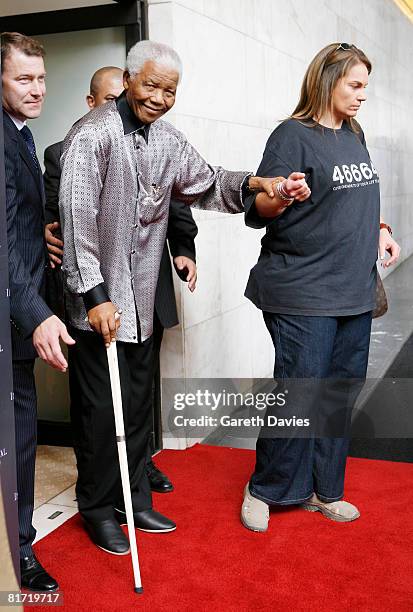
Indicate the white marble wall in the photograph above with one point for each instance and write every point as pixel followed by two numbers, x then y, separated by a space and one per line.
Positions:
pixel 243 65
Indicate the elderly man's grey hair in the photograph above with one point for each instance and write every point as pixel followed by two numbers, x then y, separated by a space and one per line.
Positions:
pixel 150 51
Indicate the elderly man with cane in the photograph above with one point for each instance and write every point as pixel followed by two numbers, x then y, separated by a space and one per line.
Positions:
pixel 107 84
pixel 120 166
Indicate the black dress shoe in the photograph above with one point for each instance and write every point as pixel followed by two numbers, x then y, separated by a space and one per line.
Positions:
pixel 158 481
pixel 35 577
pixel 108 535
pixel 148 520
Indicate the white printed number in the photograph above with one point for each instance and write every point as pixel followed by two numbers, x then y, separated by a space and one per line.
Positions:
pixel 353 172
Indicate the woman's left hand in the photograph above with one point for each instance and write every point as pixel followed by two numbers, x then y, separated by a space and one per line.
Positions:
pixel 387 243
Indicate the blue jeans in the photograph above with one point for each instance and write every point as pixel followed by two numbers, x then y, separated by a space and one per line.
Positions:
pixel 290 470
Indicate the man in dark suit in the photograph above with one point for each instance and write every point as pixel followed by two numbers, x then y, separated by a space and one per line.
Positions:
pixel 180 235
pixel 35 330
pixel 107 84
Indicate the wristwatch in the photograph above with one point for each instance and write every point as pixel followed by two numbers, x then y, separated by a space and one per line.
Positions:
pixel 387 227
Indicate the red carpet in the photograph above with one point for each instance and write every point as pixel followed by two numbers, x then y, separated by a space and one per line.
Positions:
pixel 211 562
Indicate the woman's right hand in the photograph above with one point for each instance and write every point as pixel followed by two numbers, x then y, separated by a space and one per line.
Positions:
pixel 296 187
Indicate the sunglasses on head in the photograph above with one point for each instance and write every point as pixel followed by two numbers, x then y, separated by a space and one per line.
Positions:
pixel 344 46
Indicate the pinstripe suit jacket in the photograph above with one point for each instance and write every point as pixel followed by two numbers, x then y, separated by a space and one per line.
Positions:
pixel 180 235
pixel 27 254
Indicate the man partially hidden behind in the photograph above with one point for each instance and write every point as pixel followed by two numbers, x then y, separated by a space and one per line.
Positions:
pixel 121 165
pixel 106 85
pixel 35 330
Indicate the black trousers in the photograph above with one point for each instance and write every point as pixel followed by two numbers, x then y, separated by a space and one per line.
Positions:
pixel 98 486
pixel 157 337
pixel 25 416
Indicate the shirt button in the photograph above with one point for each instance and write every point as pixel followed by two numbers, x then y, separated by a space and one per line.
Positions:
pixel 135 225
pixel 133 252
pixel 133 337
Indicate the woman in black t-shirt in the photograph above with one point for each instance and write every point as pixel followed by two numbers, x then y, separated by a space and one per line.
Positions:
pixel 315 282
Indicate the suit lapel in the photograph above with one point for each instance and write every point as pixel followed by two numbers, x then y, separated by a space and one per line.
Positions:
pixel 25 155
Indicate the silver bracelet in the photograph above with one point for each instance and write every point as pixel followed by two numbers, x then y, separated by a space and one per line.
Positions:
pixel 282 193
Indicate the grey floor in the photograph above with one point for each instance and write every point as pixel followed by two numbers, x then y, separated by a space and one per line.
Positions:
pixel 389 333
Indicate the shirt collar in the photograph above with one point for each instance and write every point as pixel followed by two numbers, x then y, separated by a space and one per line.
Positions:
pixel 130 121
pixel 19 124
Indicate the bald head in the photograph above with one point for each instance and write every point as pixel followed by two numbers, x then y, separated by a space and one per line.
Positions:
pixel 106 84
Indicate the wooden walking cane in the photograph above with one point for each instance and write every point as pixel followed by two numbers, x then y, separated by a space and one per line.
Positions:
pixel 123 460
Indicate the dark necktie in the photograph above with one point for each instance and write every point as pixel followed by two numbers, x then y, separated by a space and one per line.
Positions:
pixel 29 140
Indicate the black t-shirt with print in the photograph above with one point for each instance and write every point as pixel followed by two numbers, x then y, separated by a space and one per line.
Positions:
pixel 319 257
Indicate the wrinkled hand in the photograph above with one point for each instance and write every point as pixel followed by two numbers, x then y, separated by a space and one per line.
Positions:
pixel 295 185
pixel 387 243
pixel 46 342
pixel 105 320
pixel 186 264
pixel 54 244
pixel 266 185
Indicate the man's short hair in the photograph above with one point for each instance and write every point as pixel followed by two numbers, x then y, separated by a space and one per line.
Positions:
pixel 150 51
pixel 97 77
pixel 25 44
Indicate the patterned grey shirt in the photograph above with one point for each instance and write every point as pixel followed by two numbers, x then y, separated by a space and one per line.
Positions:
pixel 114 198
